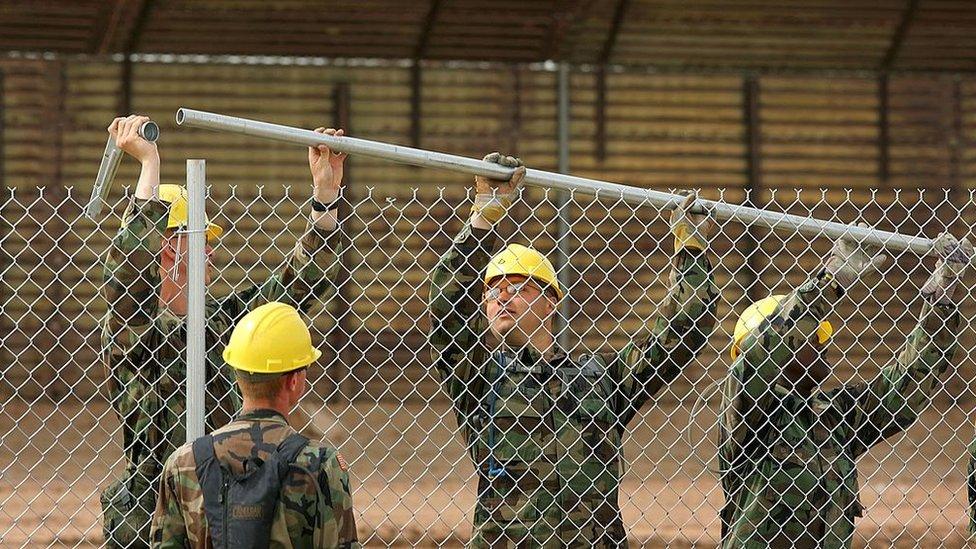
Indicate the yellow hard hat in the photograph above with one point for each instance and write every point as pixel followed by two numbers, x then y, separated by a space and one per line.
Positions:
pixel 179 211
pixel 271 339
pixel 761 310
pixel 517 259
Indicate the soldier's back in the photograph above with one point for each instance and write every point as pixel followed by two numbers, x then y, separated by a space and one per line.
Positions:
pixel 314 508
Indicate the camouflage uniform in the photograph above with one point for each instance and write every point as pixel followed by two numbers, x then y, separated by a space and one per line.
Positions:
pixel 971 484
pixel 787 460
pixel 545 436
pixel 143 349
pixel 315 507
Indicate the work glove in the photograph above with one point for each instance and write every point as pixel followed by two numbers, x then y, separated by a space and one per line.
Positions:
pixel 493 196
pixel 850 261
pixel 690 230
pixel 954 259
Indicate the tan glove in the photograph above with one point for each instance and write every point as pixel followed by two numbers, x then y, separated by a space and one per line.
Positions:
pixel 690 230
pixel 849 260
pixel 494 197
pixel 954 259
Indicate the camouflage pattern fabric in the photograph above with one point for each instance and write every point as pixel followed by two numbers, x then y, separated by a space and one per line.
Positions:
pixel 787 459
pixel 315 506
pixel 971 477
pixel 545 436
pixel 144 348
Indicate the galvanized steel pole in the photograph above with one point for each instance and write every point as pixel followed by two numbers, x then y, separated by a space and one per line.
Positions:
pixel 563 230
pixel 111 158
pixel 196 322
pixel 418 157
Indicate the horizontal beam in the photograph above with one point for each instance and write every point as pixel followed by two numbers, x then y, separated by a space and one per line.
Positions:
pixel 429 159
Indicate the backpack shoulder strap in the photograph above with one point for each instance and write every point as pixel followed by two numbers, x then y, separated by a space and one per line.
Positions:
pixel 292 446
pixel 288 451
pixel 203 451
pixel 211 479
pixel 499 362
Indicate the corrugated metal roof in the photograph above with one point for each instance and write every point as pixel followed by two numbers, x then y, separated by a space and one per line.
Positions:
pixel 730 34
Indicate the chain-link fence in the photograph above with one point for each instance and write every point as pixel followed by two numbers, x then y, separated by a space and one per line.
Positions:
pixel 378 397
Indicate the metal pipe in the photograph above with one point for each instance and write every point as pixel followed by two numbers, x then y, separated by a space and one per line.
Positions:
pixel 111 158
pixel 196 322
pixel 563 230
pixel 418 157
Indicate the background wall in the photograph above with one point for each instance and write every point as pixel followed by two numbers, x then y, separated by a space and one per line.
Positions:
pixel 822 144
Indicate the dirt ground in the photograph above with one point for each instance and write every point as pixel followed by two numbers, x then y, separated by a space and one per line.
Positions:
pixel 414 486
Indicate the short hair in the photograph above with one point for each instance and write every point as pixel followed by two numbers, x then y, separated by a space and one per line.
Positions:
pixel 262 386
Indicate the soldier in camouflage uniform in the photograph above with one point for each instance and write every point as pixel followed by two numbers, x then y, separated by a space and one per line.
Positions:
pixel 306 505
pixel 544 430
pixel 144 332
pixel 787 451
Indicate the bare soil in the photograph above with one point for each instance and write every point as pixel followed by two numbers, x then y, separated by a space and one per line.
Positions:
pixel 414 486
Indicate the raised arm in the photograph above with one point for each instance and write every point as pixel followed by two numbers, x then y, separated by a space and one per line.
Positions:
pixel 774 342
pixel 893 400
pixel 131 266
pixel 764 353
pixel 456 287
pixel 308 276
pixel 685 321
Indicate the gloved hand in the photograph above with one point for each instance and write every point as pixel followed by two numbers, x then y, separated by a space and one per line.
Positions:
pixel 954 259
pixel 850 261
pixel 494 197
pixel 690 230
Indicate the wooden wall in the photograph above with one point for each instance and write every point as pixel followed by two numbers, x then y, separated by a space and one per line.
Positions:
pixel 817 151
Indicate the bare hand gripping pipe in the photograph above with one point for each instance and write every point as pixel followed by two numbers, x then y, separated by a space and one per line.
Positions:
pixel 108 168
pixel 722 211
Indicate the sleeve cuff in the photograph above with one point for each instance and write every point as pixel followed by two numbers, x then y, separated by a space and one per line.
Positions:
pixel 470 239
pixel 318 239
pixel 153 210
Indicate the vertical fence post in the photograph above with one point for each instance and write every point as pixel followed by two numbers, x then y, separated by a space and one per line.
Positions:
pixel 196 184
pixel 884 130
pixel 55 360
pixel 6 262
pixel 340 338
pixel 749 243
pixel 563 230
pixel 959 197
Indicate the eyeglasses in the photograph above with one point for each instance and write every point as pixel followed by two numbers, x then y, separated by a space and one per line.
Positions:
pixel 514 289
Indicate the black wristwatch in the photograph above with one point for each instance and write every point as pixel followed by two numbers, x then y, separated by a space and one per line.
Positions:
pixel 320 207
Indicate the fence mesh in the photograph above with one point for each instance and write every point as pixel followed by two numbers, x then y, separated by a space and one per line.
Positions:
pixel 378 398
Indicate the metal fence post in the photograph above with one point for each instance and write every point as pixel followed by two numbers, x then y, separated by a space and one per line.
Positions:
pixel 196 184
pixel 6 262
pixel 563 229
pixel 340 338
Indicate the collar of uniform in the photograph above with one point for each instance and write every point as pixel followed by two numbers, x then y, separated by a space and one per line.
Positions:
pixel 531 360
pixel 263 414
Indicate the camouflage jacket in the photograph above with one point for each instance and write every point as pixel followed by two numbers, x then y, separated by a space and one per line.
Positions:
pixel 315 506
pixel 545 436
pixel 144 347
pixel 787 460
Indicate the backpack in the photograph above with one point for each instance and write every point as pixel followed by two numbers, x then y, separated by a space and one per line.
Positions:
pixel 240 510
